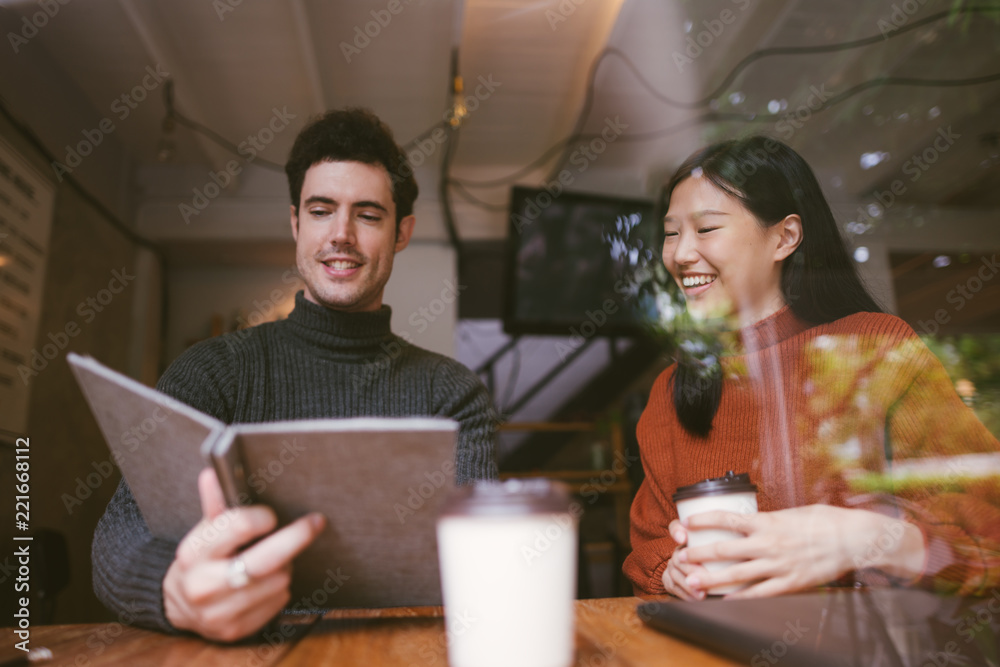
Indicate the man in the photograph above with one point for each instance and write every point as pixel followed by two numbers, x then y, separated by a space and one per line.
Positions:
pixel 352 199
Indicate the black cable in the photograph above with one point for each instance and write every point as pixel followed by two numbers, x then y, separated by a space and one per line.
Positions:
pixel 588 103
pixel 464 193
pixel 733 116
pixel 836 99
pixel 443 192
pixel 218 139
pixel 451 146
pixel 583 116
pixel 221 141
pixel 798 50
pixel 743 64
pixel 233 148
pixel 510 178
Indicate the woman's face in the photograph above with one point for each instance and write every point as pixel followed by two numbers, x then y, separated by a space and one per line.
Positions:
pixel 726 263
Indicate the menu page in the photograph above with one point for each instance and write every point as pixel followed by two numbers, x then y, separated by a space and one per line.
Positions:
pixel 26 204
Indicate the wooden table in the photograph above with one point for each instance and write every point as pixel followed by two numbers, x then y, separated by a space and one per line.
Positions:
pixel 608 634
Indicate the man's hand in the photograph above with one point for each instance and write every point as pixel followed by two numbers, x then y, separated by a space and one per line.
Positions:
pixel 197 594
pixel 802 547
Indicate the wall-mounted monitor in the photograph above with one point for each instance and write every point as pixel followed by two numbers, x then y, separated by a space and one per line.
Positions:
pixel 571 258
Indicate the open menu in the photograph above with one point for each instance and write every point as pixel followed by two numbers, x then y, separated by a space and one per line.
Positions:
pixel 379 482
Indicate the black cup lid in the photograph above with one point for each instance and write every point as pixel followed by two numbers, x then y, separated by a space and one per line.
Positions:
pixel 509 498
pixel 717 486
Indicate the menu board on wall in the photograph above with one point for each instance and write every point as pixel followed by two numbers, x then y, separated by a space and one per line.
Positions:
pixel 26 202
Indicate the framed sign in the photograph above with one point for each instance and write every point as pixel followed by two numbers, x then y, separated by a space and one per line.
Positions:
pixel 26 206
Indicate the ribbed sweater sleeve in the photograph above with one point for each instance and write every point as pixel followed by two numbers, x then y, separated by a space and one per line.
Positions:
pixel 460 395
pixel 129 564
pixel 653 509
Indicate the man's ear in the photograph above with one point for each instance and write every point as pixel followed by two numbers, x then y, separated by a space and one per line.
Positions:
pixel 295 222
pixel 404 232
pixel 789 233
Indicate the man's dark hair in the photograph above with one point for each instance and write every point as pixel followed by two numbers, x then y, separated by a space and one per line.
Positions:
pixel 352 135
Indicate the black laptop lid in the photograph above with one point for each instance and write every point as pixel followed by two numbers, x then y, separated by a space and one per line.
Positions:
pixel 840 628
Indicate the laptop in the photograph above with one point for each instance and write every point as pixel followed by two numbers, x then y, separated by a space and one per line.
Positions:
pixel 887 627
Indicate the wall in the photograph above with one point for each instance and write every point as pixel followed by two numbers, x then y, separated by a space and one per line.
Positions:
pixel 66 446
pixel 421 293
pixel 84 250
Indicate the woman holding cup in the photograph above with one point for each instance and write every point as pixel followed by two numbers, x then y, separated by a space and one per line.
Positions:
pixel 814 392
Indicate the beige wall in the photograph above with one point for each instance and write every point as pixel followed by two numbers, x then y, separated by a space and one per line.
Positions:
pixel 420 292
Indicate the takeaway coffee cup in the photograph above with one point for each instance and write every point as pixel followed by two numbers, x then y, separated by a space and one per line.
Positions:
pixel 508 574
pixel 730 493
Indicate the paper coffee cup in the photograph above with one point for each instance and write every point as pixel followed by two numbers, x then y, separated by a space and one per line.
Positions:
pixel 730 493
pixel 508 557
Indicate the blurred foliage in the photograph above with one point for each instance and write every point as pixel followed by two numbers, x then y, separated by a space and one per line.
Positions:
pixel 974 357
pixel 882 483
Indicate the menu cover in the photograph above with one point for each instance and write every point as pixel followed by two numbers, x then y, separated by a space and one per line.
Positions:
pixel 379 482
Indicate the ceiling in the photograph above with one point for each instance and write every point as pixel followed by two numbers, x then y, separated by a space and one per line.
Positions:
pixel 535 71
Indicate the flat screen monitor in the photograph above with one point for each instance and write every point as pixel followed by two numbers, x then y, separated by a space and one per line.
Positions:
pixel 572 258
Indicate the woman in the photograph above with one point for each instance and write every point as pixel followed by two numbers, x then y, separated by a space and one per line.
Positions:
pixel 828 403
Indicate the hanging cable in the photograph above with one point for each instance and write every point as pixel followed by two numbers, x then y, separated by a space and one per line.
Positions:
pixel 464 193
pixel 792 51
pixel 731 116
pixel 179 118
pixel 457 115
pixel 583 116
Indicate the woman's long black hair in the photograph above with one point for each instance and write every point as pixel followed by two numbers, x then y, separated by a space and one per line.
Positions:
pixel 819 281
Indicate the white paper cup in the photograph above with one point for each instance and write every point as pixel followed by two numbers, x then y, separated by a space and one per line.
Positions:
pixel 731 493
pixel 508 557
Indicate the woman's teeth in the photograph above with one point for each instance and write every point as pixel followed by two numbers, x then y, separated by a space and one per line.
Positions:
pixel 695 281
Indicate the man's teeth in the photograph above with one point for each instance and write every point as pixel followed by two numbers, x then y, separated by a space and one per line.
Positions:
pixel 695 281
pixel 339 265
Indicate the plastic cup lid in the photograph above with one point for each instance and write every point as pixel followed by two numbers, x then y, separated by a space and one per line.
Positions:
pixel 716 486
pixel 512 497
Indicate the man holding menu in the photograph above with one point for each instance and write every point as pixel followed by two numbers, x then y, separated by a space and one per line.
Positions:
pixel 352 199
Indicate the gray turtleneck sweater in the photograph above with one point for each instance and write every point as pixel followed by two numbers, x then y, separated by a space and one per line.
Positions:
pixel 317 363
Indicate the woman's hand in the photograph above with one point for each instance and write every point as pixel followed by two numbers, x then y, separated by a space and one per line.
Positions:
pixel 678 569
pixel 789 550
pixel 201 591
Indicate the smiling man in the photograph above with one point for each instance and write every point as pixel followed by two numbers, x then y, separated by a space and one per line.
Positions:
pixel 352 197
pixel 347 234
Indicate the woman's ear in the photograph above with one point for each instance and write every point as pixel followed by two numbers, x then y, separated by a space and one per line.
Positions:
pixel 789 233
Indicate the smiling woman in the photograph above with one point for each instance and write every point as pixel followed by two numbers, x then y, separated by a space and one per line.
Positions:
pixel 724 260
pixel 751 215
pixel 823 399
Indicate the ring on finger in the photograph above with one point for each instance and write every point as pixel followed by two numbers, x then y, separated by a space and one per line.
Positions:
pixel 236 573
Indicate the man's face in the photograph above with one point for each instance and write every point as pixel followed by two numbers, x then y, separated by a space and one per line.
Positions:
pixel 345 234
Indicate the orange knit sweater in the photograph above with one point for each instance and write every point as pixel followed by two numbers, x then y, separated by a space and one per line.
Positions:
pixel 853 413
